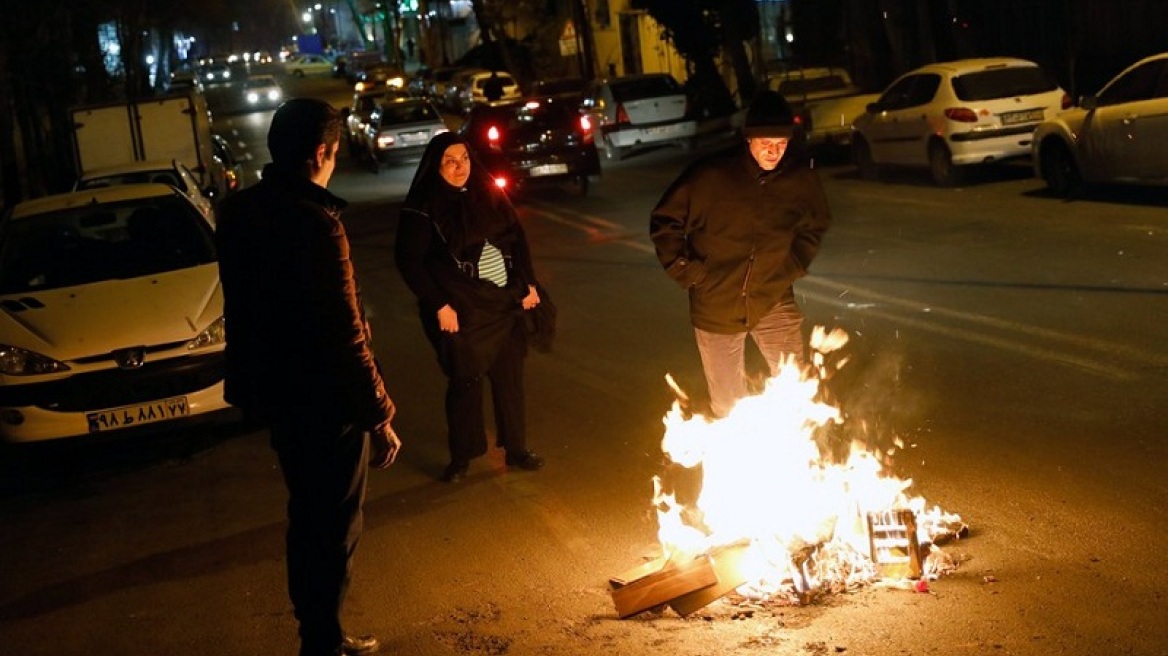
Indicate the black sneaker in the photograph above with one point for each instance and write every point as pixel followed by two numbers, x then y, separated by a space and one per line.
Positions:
pixel 525 460
pixel 455 472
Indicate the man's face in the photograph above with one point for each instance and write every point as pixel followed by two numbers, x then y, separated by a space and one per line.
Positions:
pixel 767 151
pixel 455 166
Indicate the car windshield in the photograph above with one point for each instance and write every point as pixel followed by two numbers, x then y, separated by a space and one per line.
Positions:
pixel 647 87
pixel 408 113
pixel 808 85
pixel 550 113
pixel 95 243
pixel 1003 83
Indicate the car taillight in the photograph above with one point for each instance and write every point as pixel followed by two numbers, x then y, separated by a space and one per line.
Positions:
pixel 961 115
pixel 1067 103
pixel 493 135
pixel 621 115
pixel 586 128
pixel 500 182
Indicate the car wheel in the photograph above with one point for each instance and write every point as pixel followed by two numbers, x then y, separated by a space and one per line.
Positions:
pixel 862 158
pixel 1058 169
pixel 944 173
pixel 297 73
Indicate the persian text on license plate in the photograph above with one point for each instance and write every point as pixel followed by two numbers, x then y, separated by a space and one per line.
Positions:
pixel 133 415
pixel 414 138
pixel 1027 116
pixel 549 169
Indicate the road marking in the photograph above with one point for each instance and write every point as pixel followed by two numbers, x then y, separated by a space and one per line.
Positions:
pixel 604 230
pixel 1106 350
pixel 598 229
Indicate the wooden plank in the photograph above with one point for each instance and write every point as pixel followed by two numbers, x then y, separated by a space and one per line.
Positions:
pixel 639 572
pixel 660 587
pixel 727 563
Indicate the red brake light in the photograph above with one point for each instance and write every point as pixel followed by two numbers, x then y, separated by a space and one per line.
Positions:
pixel 586 128
pixel 621 115
pixel 500 182
pixel 493 134
pixel 961 115
pixel 1067 102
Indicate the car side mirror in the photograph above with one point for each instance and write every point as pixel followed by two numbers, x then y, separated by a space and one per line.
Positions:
pixel 874 107
pixel 1088 102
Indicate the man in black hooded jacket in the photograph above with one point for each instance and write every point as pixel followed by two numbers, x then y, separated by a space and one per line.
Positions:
pixel 736 230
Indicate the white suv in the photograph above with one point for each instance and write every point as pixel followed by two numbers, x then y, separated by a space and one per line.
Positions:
pixel 956 114
pixel 1117 135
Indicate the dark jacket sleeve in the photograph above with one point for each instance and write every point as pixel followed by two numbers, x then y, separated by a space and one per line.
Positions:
pixel 342 325
pixel 414 243
pixel 669 228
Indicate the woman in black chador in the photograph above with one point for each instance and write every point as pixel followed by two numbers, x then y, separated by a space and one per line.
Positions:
pixel 462 251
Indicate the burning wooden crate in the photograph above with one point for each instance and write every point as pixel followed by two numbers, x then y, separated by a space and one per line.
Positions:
pixel 892 536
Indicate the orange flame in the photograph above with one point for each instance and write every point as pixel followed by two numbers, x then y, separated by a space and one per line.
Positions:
pixel 766 483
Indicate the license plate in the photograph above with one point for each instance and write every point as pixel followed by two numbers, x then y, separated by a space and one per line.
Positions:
pixel 414 138
pixel 134 415
pixel 1027 116
pixel 549 169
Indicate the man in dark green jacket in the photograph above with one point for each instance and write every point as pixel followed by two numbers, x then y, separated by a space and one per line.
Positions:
pixel 736 230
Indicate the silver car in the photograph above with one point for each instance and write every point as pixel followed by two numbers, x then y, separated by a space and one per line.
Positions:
pixel 1117 135
pixel 639 110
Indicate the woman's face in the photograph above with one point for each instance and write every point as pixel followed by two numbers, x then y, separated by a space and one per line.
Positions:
pixel 455 166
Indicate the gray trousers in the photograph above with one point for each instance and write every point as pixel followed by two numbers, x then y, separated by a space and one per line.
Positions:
pixel 779 333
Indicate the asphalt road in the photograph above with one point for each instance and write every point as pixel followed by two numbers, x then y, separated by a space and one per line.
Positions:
pixel 1012 341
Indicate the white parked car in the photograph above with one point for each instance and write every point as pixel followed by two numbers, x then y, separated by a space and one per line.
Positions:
pixel 473 92
pixel 639 110
pixel 173 173
pixel 301 65
pixel 826 100
pixel 952 115
pixel 113 314
pixel 1117 135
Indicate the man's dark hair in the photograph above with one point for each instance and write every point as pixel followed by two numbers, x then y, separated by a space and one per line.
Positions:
pixel 298 127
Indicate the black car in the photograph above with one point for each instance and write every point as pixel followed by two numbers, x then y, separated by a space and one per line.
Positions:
pixel 533 141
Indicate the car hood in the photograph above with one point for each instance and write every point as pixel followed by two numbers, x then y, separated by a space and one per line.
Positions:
pixel 75 322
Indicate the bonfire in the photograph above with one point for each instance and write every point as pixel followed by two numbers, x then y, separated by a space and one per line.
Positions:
pixel 754 502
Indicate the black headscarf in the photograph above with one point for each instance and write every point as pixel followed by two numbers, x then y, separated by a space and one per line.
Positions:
pixel 465 216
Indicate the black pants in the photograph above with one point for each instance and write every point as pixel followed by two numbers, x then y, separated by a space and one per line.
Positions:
pixel 464 402
pixel 324 466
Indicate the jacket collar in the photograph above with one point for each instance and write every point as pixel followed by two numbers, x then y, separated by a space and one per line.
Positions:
pixel 298 185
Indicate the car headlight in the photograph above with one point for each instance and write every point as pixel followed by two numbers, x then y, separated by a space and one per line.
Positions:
pixel 211 336
pixel 252 96
pixel 19 362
